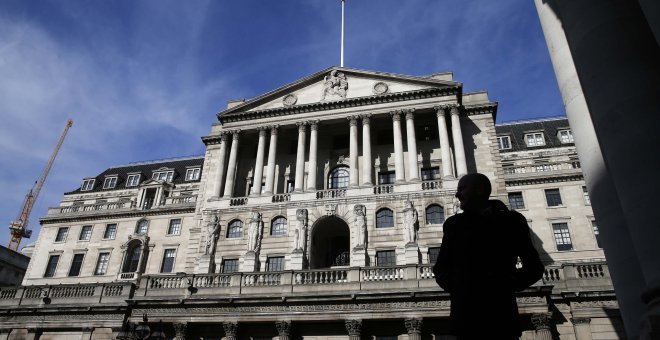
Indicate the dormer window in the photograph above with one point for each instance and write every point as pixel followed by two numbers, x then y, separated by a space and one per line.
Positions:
pixel 133 180
pixel 565 136
pixel 535 139
pixel 192 174
pixel 504 142
pixel 166 176
pixel 110 182
pixel 87 185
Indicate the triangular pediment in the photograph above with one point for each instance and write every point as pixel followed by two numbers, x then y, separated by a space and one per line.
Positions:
pixel 338 84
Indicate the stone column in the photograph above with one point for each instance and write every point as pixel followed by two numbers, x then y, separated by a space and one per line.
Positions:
pixel 447 169
pixel 300 158
pixel 231 168
pixel 412 147
pixel 33 334
pixel 582 328
pixel 220 171
pixel 272 153
pixel 180 330
pixel 4 333
pixel 259 163
pixel 283 329
pixel 414 327
pixel 542 322
pixel 231 328
pixel 353 155
pixel 459 149
pixel 313 146
pixel 87 333
pixel 354 329
pixel 398 147
pixel 366 150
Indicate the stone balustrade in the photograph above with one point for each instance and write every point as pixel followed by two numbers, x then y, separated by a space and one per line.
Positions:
pixel 89 293
pixel 542 169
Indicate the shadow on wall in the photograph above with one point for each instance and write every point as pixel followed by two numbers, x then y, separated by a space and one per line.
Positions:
pixel 538 244
pixel 469 131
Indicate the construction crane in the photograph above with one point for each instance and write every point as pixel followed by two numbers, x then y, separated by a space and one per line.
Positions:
pixel 18 228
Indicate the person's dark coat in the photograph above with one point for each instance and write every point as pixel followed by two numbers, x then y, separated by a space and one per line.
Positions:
pixel 477 266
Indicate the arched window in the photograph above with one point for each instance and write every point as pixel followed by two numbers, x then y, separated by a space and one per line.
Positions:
pixel 235 229
pixel 384 218
pixel 133 255
pixel 278 226
pixel 142 226
pixel 435 214
pixel 339 177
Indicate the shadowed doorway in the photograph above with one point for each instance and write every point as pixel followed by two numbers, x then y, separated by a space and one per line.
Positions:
pixel 330 243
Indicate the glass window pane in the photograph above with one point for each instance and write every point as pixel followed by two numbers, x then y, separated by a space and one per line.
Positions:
pixel 76 264
pixel 235 229
pixel 230 265
pixel 110 231
pixel 61 234
pixel 102 264
pixel 278 226
pixel 433 254
pixel 175 227
pixel 385 258
pixel 553 197
pixel 85 233
pixel 435 214
pixel 51 266
pixel 516 200
pixel 339 178
pixel 168 261
pixel 142 227
pixel 562 236
pixel 384 218
pixel 275 264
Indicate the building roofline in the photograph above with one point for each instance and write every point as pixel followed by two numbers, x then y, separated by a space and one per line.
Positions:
pixel 163 160
pixel 534 120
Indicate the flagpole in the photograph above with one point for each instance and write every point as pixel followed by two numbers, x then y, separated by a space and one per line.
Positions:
pixel 342 34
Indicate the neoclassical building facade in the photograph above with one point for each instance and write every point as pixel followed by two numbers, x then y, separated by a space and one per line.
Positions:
pixel 316 212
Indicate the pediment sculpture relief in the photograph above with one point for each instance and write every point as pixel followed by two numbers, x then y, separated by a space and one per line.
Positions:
pixel 334 85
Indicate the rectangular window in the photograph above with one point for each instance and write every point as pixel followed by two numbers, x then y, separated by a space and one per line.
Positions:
pixel 193 174
pixel 85 233
pixel 168 261
pixel 110 182
pixel 562 236
pixel 585 194
pixel 289 186
pixel 553 197
pixel 504 142
pixel 110 231
pixel 175 227
pixel 275 263
pixel 229 266
pixel 102 264
pixel 565 136
pixel 51 266
pixel 386 177
pixel 87 185
pixel 596 233
pixel 429 174
pixel 433 254
pixel 62 233
pixel 133 180
pixel 76 264
pixel 166 176
pixel 516 200
pixel 385 258
pixel 535 139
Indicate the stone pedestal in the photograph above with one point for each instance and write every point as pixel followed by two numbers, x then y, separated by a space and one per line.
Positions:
pixel 412 253
pixel 582 328
pixel 297 260
pixel 205 265
pixel 360 257
pixel 250 262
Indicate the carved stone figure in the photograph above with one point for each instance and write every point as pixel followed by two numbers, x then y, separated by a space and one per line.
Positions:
pixel 456 205
pixel 360 223
pixel 334 85
pixel 213 231
pixel 255 232
pixel 409 222
pixel 301 230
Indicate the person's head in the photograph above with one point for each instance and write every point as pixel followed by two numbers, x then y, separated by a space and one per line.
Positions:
pixel 473 191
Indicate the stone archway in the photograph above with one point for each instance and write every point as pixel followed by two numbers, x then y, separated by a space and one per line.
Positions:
pixel 330 243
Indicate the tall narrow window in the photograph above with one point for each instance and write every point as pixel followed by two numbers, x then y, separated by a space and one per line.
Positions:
pixel 275 263
pixel 133 259
pixel 62 232
pixel 102 264
pixel 585 194
pixel 168 261
pixel 562 236
pixel 142 227
pixel 235 229
pixel 110 231
pixel 553 197
pixel 385 258
pixel 229 266
pixel 596 233
pixel 432 173
pixel 51 266
pixel 339 177
pixel 289 186
pixel 516 200
pixel 504 142
pixel 76 264
pixel 278 226
pixel 384 218
pixel 85 233
pixel 433 254
pixel 174 227
pixel 435 214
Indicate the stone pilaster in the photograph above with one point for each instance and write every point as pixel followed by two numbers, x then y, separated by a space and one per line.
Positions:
pixel 414 328
pixel 272 153
pixel 413 171
pixel 398 147
pixel 445 152
pixel 542 323
pixel 283 329
pixel 353 152
pixel 231 329
pixel 459 148
pixel 87 333
pixel 300 157
pixel 313 151
pixel 180 329
pixel 354 329
pixel 582 328
pixel 366 150
pixel 220 171
pixel 259 163
pixel 231 167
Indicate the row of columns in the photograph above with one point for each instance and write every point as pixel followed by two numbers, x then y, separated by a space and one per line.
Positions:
pixel 367 168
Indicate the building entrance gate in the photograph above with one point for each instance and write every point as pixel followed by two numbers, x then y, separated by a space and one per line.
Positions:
pixel 330 243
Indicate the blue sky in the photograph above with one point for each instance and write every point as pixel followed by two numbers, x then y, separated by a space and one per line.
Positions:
pixel 143 79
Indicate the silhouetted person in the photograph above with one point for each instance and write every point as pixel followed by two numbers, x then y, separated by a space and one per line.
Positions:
pixel 477 263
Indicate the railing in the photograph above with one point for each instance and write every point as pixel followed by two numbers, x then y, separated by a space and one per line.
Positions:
pixel 95 207
pixel 384 189
pixel 332 193
pixel 541 168
pixel 281 198
pixel 590 271
pixel 71 291
pixel 426 272
pixel 551 275
pixel 383 274
pixel 128 276
pixel 431 185
pixel 83 293
pixel 238 201
pixel 180 200
pixel 261 279
pixel 329 276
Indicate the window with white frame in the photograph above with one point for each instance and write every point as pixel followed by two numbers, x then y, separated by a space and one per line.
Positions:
pixel 193 174
pixel 235 229
pixel 535 139
pixel 110 231
pixel 102 264
pixel 87 185
pixel 565 136
pixel 85 233
pixel 175 227
pixel 166 176
pixel 62 233
pixel 142 226
pixel 504 142
pixel 562 236
pixel 278 226
pixel 133 180
pixel 168 261
pixel 110 182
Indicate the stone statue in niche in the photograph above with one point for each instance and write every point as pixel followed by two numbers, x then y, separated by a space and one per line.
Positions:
pixel 213 231
pixel 360 224
pixel 334 85
pixel 255 232
pixel 301 230
pixel 409 223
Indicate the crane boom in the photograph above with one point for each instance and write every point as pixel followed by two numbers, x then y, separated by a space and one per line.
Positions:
pixel 18 228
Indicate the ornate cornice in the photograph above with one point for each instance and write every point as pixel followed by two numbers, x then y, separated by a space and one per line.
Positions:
pixel 488 108
pixel 558 178
pixel 119 214
pixel 340 104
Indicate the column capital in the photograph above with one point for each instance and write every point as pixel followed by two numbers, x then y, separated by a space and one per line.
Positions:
pixel 353 327
pixel 365 118
pixel 542 321
pixel 301 126
pixel 413 325
pixel 396 115
pixel 262 130
pixel 314 124
pixel 235 134
pixel 180 329
pixel 580 321
pixel 453 109
pixel 87 329
pixel 353 119
pixel 224 136
pixel 273 129
pixel 283 327
pixel 409 113
pixel 230 328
